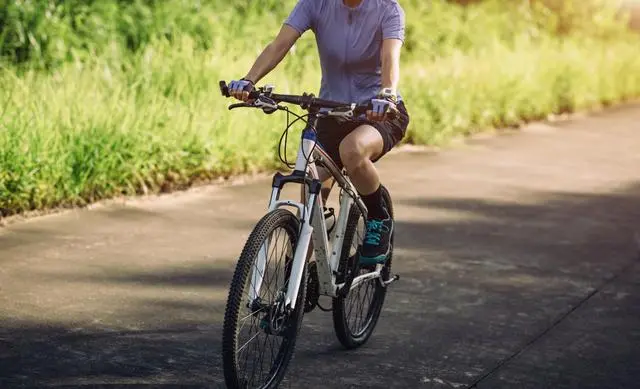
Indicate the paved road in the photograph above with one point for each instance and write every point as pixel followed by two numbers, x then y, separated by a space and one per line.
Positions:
pixel 517 254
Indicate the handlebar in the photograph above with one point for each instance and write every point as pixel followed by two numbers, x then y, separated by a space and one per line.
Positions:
pixel 269 102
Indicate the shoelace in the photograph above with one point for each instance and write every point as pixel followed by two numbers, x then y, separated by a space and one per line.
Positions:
pixel 373 231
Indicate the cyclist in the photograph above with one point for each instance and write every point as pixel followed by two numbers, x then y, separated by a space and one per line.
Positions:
pixel 359 43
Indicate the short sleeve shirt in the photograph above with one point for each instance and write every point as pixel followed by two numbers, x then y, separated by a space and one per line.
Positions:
pixel 349 42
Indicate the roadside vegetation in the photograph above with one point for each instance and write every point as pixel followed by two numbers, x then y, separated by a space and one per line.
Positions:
pixel 101 98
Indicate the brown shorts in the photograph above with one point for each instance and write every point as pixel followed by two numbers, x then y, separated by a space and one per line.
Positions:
pixel 331 132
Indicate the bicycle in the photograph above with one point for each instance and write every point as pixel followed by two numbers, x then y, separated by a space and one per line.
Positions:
pixel 336 272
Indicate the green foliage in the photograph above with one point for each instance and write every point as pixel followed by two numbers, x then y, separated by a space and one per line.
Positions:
pixel 102 97
pixel 601 19
pixel 47 33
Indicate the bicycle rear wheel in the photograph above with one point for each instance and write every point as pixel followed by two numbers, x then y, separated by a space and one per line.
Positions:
pixel 356 314
pixel 259 336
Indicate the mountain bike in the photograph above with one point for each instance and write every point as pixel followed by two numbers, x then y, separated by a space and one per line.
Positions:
pixel 275 282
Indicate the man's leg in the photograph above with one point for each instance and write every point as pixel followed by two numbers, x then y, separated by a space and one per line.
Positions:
pixel 327 183
pixel 357 152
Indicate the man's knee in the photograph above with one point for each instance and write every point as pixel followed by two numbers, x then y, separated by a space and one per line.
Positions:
pixel 364 143
pixel 352 151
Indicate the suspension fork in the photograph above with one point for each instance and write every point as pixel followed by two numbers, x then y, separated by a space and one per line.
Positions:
pixel 306 211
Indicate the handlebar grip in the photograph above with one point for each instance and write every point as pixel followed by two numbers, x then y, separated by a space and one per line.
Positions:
pixel 224 89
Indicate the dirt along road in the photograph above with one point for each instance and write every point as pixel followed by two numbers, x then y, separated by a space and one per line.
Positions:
pixel 518 257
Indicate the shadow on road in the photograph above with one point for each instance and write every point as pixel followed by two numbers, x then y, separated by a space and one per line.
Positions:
pixel 556 232
pixel 213 276
pixel 37 356
pixel 475 288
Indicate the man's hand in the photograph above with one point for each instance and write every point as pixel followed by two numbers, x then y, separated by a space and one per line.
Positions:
pixel 381 106
pixel 240 89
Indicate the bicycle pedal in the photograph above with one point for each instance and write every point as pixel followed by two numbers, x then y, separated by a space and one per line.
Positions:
pixel 396 277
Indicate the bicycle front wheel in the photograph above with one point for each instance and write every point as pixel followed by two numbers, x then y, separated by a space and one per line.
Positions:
pixel 355 315
pixel 259 334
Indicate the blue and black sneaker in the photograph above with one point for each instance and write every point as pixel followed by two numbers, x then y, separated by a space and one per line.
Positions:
pixel 377 241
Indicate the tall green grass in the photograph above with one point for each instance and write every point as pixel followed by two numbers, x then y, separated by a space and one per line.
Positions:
pixel 103 98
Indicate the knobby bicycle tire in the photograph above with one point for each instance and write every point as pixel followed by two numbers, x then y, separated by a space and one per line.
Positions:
pixel 279 218
pixel 347 337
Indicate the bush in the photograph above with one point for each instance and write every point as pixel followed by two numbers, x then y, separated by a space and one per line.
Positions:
pixel 103 98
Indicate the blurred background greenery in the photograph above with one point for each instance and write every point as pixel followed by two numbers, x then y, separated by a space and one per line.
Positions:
pixel 100 98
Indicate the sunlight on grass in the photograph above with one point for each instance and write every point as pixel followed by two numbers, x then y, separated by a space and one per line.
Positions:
pixel 116 121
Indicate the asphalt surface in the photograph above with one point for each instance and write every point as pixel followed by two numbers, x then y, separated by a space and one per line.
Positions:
pixel 518 257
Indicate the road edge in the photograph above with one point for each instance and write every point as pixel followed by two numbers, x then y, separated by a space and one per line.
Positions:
pixel 538 126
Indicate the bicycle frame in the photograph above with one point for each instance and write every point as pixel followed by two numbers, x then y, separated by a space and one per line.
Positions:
pixel 313 226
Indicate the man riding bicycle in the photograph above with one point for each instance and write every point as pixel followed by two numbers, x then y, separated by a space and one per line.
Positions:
pixel 359 43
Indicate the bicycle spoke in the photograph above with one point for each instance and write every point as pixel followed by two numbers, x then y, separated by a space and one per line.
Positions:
pixel 266 338
pixel 252 314
pixel 358 305
pixel 249 341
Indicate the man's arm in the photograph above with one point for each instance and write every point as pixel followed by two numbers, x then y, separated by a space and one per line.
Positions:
pixel 268 59
pixel 390 55
pixel 391 63
pixel 273 53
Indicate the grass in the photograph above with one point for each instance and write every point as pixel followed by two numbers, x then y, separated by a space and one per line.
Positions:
pixel 114 119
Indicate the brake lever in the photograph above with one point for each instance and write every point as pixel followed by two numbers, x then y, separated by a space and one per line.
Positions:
pixel 266 104
pixel 240 105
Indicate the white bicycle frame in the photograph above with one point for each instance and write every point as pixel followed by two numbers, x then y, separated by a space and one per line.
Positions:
pixel 313 226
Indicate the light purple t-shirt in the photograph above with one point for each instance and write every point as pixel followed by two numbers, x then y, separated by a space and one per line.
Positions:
pixel 349 42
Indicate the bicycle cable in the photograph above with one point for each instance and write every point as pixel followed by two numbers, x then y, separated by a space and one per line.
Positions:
pixel 285 136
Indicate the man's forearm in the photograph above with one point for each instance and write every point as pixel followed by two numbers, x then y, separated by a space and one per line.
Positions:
pixel 266 62
pixel 390 74
pixel 391 64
